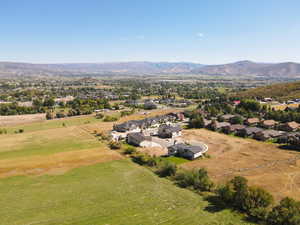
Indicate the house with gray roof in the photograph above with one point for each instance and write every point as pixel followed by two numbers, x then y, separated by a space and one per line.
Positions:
pixel 249 131
pixel 140 140
pixel 232 129
pixel 168 131
pixel 269 134
pixel 187 151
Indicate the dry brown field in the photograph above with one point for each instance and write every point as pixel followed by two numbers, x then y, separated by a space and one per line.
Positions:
pixel 263 164
pixel 21 119
pixel 54 149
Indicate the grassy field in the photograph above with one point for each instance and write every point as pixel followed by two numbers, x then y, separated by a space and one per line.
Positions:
pixel 177 160
pixel 58 175
pixel 50 124
pixel 45 142
pixel 117 192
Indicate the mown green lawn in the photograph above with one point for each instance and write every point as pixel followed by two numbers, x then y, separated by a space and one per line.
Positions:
pixel 114 193
pixel 177 160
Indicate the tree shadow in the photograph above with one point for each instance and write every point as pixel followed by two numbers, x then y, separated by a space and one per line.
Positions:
pixel 290 147
pixel 215 204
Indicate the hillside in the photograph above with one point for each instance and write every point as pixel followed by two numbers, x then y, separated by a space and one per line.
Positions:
pixel 10 68
pixel 281 91
pixel 241 68
pixel 248 68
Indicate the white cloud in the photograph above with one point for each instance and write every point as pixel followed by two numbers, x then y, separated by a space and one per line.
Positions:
pixel 200 35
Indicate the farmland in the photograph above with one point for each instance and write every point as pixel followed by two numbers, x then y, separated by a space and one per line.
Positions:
pixel 263 164
pixel 117 192
pixel 54 174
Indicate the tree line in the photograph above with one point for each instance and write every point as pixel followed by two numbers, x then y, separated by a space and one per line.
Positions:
pixel 255 202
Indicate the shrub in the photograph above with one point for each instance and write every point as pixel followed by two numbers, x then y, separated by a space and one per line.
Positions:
pixel 286 213
pixel 103 136
pixel 129 150
pixel 140 158
pixel 196 121
pixel 260 214
pixel 166 169
pixel 254 198
pixel 237 120
pixel 185 178
pixel 110 118
pixel 226 194
pixel 3 131
pixel 153 161
pixel 126 113
pixel 197 179
pixel 115 145
pixel 99 116
pixel 50 115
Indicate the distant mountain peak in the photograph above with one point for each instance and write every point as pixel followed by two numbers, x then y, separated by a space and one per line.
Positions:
pixel 240 68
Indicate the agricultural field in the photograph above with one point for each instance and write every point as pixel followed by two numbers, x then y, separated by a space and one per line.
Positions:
pixel 21 119
pixel 54 174
pixel 263 164
pixel 116 192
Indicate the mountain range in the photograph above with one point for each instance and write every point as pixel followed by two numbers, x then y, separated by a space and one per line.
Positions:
pixel 241 68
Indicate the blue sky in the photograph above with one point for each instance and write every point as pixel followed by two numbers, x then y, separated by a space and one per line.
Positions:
pixel 203 31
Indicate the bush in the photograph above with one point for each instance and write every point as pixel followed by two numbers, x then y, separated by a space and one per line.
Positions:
pixel 260 214
pixel 99 116
pixel 50 115
pixel 103 136
pixel 237 120
pixel 196 121
pixel 197 179
pixel 255 198
pixel 185 179
pixel 110 119
pixel 129 150
pixel 203 182
pixel 286 213
pixel 226 194
pixel 115 145
pixel 3 131
pixel 166 169
pixel 127 113
pixel 140 158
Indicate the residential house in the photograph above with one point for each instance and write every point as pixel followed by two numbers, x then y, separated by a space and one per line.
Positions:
pixel 217 126
pixel 132 126
pixel 268 124
pixel 252 121
pixel 233 128
pixel 168 131
pixel 265 135
pixel 226 117
pixel 249 131
pixel 206 123
pixel 179 116
pixel 290 126
pixel 139 139
pixel 150 105
pixel 187 151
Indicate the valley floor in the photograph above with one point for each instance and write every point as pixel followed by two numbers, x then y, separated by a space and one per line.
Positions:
pixel 55 174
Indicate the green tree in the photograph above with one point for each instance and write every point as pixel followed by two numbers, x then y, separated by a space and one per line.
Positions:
pixel 286 213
